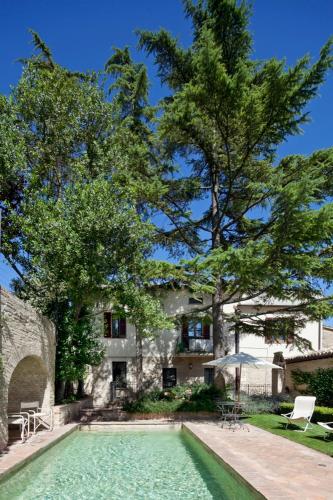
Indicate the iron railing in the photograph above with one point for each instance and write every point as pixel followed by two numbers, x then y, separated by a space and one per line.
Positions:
pixel 122 391
pixel 256 389
pixel 194 346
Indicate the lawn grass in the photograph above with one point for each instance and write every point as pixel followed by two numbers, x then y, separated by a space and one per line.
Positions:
pixel 313 438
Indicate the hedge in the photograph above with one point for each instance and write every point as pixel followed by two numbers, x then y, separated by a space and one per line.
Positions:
pixel 182 398
pixel 320 414
pixel 319 383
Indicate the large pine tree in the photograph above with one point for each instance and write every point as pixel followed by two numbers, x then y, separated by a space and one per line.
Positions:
pixel 266 226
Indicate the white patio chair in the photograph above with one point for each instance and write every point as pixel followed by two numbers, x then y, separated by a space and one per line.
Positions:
pixel 328 426
pixel 39 416
pixel 302 412
pixel 23 422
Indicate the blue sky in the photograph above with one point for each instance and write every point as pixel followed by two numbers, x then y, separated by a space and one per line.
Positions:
pixel 81 34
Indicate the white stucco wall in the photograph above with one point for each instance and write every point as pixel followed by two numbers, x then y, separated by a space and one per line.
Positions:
pixel 161 352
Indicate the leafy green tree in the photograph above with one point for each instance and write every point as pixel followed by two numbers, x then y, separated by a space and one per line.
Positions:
pixel 145 171
pixel 76 235
pixel 89 248
pixel 266 226
pixel 12 158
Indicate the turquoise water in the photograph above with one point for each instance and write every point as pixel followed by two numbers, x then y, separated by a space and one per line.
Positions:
pixel 157 465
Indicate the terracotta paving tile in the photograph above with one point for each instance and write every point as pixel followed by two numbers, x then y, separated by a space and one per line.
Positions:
pixel 274 466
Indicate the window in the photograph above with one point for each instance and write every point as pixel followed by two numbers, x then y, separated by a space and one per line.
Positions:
pixel 169 377
pixel 194 329
pixel 209 376
pixel 195 300
pixel 119 375
pixel 279 330
pixel 114 327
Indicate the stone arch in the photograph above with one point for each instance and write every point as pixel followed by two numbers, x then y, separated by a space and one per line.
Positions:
pixel 27 358
pixel 29 382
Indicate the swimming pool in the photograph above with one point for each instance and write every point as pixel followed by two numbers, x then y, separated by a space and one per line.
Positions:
pixel 159 465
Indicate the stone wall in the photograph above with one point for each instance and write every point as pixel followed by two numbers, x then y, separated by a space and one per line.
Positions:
pixel 327 337
pixel 305 366
pixel 63 414
pixel 27 357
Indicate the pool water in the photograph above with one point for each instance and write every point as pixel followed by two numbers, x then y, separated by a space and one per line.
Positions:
pixel 159 465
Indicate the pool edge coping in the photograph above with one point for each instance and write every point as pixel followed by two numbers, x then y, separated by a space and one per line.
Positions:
pixel 9 471
pixel 225 464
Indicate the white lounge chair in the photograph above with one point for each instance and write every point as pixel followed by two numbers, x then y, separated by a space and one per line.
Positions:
pixel 22 421
pixel 39 416
pixel 328 426
pixel 302 412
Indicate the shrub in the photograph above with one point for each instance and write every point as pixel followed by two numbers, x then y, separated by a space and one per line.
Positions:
pixel 263 405
pixel 194 397
pixel 319 383
pixel 257 403
pixel 320 414
pixel 145 405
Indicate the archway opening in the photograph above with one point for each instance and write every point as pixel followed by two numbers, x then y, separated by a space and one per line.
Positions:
pixel 28 383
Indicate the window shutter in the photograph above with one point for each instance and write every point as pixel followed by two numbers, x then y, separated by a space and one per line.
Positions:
pixel 107 324
pixel 206 330
pixel 122 327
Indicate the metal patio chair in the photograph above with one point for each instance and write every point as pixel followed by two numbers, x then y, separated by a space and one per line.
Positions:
pixel 38 416
pixel 21 421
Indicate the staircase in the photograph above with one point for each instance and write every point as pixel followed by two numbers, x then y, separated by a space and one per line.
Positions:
pixel 111 413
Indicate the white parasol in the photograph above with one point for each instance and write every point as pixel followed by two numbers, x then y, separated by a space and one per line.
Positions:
pixel 240 359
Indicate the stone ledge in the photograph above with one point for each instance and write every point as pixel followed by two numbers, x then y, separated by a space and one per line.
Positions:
pixel 133 425
pixel 66 413
pixel 116 415
pixel 21 454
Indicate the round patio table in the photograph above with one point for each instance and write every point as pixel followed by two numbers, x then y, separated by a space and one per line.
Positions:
pixel 231 412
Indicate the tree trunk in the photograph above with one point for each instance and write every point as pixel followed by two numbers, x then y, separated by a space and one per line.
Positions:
pixel 80 388
pixel 59 390
pixel 139 364
pixel 219 340
pixel 69 389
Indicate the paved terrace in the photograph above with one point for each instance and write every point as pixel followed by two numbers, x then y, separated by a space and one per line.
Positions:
pixel 274 466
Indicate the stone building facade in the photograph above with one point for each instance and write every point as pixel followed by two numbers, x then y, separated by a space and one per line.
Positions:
pixel 176 356
pixel 27 358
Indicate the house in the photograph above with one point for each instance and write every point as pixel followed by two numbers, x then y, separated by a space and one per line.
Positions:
pixel 327 337
pixel 177 356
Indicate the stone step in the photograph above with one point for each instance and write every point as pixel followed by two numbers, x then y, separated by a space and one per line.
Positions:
pixel 103 414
